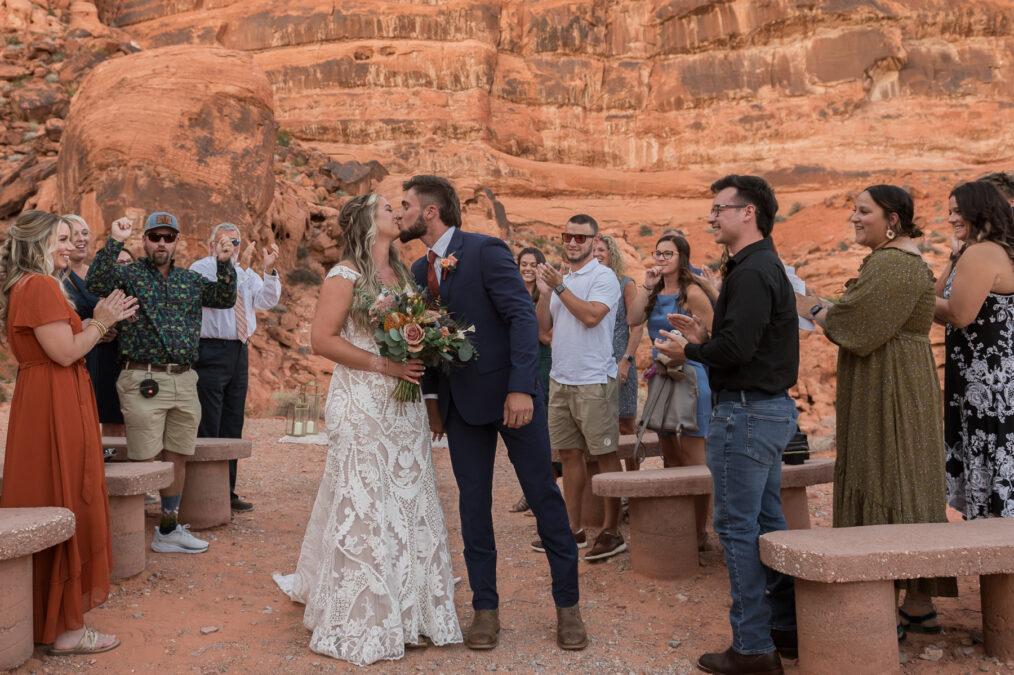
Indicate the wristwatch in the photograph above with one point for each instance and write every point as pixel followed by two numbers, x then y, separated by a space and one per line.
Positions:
pixel 815 310
pixel 629 357
pixel 559 289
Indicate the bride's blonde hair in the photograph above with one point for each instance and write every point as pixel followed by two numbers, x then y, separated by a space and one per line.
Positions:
pixel 25 252
pixel 358 224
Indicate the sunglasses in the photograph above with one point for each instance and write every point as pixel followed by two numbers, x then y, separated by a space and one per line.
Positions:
pixel 235 242
pixel 155 237
pixel 579 238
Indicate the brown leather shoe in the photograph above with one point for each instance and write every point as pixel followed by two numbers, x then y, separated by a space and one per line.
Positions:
pixel 607 544
pixel 731 662
pixel 484 632
pixel 570 632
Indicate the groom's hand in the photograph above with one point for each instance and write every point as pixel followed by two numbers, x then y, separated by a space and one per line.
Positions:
pixel 436 424
pixel 517 409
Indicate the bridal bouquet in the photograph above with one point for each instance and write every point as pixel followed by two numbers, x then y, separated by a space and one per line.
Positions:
pixel 406 328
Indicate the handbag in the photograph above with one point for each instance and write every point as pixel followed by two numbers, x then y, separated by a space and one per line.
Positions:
pixel 671 404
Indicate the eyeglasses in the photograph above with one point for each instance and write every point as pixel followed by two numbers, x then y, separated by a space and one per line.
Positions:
pixel 155 237
pixel 718 208
pixel 579 238
pixel 662 255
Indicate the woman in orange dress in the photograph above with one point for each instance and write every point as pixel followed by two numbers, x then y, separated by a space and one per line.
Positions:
pixel 54 447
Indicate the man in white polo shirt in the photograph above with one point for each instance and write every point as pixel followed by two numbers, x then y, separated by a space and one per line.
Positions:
pixel 583 397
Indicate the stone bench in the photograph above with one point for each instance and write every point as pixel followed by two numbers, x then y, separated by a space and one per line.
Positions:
pixel 592 508
pixel 845 597
pixel 663 535
pixel 127 483
pixel 206 499
pixel 22 533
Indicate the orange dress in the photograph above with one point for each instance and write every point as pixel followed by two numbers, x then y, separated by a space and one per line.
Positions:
pixel 54 458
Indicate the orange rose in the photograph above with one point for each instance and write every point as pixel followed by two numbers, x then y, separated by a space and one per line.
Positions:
pixel 414 335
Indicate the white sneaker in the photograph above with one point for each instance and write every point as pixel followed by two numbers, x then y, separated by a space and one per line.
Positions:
pixel 178 541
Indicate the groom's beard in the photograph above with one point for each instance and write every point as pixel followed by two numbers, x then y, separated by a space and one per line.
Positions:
pixel 414 231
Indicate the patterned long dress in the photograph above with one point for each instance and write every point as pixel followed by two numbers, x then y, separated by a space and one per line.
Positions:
pixel 374 570
pixel 979 418
pixel 889 435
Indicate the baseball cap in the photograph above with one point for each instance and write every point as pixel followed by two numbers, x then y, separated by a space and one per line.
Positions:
pixel 161 219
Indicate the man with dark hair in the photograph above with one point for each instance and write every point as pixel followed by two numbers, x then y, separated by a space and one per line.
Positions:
pixel 497 394
pixel 753 358
pixel 585 219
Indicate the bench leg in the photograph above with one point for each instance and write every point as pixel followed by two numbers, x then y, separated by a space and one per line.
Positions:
pixel 126 525
pixel 847 628
pixel 663 537
pixel 205 500
pixel 997 598
pixel 593 509
pixel 16 642
pixel 795 508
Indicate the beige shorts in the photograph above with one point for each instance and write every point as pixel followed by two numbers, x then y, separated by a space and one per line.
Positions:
pixel 584 417
pixel 166 421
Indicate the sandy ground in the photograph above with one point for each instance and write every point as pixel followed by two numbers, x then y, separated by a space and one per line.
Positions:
pixel 221 611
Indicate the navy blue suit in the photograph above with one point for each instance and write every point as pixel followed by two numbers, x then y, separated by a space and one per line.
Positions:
pixel 486 290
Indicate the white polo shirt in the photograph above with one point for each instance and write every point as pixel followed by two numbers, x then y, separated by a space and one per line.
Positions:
pixel 583 355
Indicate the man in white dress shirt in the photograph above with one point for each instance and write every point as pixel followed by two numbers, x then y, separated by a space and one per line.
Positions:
pixel 222 363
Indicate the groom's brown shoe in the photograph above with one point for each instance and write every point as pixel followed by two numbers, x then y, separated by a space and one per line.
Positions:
pixel 570 632
pixel 485 630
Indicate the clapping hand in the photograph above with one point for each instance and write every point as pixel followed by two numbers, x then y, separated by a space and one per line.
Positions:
pixel 224 249
pixel 689 326
pixel 270 255
pixel 541 273
pixel 120 229
pixel 671 344
pixel 115 307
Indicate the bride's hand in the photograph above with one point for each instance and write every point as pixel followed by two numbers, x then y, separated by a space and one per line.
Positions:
pixel 410 370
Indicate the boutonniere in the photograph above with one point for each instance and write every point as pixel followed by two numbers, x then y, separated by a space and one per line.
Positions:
pixel 447 265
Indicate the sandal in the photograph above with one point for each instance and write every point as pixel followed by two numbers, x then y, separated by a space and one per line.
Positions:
pixel 87 644
pixel 520 506
pixel 916 624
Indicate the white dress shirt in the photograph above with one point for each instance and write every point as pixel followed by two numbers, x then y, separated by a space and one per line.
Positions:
pixel 440 248
pixel 257 293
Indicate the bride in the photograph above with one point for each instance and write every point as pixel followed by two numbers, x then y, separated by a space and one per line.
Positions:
pixel 374 571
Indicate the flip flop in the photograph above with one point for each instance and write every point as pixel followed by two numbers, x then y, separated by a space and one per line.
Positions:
pixel 86 645
pixel 914 624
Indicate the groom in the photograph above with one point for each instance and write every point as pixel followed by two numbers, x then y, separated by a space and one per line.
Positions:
pixel 475 277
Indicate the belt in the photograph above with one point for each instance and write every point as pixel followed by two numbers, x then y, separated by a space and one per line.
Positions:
pixel 169 368
pixel 745 396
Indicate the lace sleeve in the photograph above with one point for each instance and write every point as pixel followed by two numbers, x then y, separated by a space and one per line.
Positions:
pixel 343 272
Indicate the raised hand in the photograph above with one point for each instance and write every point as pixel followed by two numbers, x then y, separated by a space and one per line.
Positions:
pixel 270 255
pixel 121 228
pixel 224 249
pixel 690 326
pixel 652 275
pixel 549 275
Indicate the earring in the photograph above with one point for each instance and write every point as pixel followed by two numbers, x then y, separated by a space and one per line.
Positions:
pixel 890 234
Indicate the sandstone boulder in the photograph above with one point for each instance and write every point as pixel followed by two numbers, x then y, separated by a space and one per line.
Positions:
pixel 182 129
pixel 37 102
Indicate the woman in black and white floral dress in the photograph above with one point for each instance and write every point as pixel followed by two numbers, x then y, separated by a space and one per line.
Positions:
pixel 976 302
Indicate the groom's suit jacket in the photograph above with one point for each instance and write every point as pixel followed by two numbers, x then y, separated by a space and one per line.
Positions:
pixel 485 290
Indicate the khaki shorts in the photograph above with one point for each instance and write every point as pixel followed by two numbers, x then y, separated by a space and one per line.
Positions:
pixel 166 421
pixel 584 417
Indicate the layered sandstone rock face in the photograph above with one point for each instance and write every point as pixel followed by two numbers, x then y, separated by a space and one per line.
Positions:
pixel 647 97
pixel 185 130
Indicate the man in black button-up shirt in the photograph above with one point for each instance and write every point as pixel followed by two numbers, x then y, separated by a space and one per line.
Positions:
pixel 753 358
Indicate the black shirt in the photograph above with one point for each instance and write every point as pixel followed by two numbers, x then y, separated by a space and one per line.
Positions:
pixel 754 343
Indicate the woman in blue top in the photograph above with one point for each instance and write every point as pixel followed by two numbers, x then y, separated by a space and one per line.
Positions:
pixel 671 288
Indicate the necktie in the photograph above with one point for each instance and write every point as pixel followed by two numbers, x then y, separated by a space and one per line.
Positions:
pixel 431 275
pixel 240 311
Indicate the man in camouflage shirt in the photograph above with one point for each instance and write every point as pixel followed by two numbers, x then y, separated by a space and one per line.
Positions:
pixel 157 386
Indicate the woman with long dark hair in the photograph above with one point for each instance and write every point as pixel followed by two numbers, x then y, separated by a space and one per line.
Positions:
pixel 374 571
pixel 975 299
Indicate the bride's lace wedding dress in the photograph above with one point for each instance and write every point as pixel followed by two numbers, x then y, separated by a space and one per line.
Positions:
pixel 374 570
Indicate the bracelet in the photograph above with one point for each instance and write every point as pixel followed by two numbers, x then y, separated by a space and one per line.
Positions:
pixel 98 324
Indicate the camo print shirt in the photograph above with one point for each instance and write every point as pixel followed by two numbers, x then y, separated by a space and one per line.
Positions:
pixel 168 325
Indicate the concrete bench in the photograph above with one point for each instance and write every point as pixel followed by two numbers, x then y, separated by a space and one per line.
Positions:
pixel 22 533
pixel 663 536
pixel 206 500
pixel 127 483
pixel 845 599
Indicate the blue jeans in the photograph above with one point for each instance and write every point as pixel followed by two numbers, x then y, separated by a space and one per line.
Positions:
pixel 744 454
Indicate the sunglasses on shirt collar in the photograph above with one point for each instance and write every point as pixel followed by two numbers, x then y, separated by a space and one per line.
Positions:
pixel 155 237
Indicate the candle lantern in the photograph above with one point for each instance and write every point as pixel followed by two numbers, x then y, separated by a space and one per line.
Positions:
pixel 299 418
pixel 310 393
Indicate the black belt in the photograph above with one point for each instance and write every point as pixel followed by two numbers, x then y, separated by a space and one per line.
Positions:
pixel 170 368
pixel 746 396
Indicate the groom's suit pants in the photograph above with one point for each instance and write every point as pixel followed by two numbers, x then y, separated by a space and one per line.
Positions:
pixel 473 451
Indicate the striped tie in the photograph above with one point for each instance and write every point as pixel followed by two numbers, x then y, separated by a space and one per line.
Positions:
pixel 240 311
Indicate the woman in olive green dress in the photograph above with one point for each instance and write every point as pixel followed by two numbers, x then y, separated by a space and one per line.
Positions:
pixel 889 431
